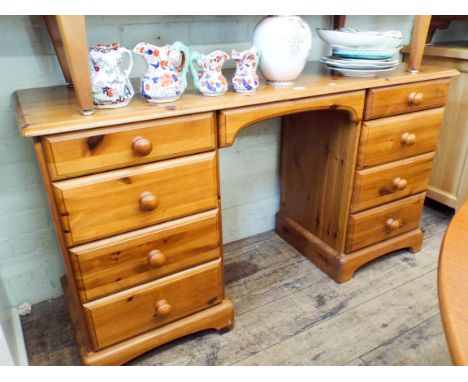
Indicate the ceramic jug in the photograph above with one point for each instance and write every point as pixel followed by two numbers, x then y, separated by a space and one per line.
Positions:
pixel 245 79
pixel 209 80
pixel 163 81
pixel 111 86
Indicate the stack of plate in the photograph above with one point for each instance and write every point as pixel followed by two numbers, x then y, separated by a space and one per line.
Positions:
pixel 361 54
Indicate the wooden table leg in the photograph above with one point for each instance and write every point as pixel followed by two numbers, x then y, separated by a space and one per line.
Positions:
pixel 339 22
pixel 418 42
pixel 52 28
pixel 73 36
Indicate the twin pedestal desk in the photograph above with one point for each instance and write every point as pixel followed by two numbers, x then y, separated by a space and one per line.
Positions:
pixel 134 193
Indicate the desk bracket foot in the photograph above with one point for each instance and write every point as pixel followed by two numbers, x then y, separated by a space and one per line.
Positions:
pixel 339 266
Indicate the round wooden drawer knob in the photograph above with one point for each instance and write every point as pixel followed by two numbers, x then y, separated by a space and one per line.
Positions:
pixel 392 224
pixel 141 146
pixel 156 258
pixel 399 183
pixel 408 139
pixel 148 201
pixel 415 99
pixel 163 308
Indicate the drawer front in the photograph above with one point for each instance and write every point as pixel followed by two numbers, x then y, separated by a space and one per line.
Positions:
pixel 392 181
pixel 111 265
pixel 98 150
pixel 101 205
pixel 394 138
pixel 382 102
pixel 383 222
pixel 126 314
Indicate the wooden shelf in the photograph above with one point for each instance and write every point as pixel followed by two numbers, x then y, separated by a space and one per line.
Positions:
pixel 54 110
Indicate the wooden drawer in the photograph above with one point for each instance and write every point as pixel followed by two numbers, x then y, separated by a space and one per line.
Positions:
pixel 393 138
pixel 123 261
pixel 97 150
pixel 392 181
pixel 391 100
pixel 106 204
pixel 148 306
pixel 383 222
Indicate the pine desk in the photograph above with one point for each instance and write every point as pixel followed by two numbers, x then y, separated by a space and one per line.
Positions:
pixel 135 193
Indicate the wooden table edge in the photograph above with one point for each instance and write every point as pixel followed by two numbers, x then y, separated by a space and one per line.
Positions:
pixel 450 276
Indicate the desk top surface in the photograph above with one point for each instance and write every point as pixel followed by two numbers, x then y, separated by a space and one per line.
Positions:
pixel 453 286
pixel 52 110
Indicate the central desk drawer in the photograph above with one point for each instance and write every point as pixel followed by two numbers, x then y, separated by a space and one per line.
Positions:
pixel 389 139
pixel 391 100
pixel 140 309
pixel 383 222
pixel 123 261
pixel 392 181
pixel 101 205
pixel 98 150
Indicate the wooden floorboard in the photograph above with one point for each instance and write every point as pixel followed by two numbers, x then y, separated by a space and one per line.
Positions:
pixel 287 312
pixel 423 344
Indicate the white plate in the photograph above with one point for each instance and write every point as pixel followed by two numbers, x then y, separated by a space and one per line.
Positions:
pixel 361 67
pixel 360 40
pixel 352 65
pixel 355 61
pixel 359 72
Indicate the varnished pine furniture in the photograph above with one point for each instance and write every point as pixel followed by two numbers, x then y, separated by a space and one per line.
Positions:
pixel 449 178
pixel 453 286
pixel 134 193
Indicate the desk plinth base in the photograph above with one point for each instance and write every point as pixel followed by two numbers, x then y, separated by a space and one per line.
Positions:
pixel 219 317
pixel 339 266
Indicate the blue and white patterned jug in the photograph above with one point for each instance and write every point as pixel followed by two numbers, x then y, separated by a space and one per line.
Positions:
pixel 210 80
pixel 245 79
pixel 163 81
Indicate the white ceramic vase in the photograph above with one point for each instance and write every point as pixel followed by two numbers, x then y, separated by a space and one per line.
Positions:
pixel 284 43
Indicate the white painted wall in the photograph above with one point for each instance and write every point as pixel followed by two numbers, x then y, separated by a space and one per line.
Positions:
pixel 30 264
pixel 6 327
pixel 12 347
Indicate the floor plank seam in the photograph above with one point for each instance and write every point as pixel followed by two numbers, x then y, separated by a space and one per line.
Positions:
pixel 276 299
pixel 399 335
pixel 306 287
pixel 339 313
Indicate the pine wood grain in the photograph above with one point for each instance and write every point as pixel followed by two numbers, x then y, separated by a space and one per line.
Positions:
pixel 52 28
pixel 385 183
pixel 310 178
pixel 185 293
pixel 82 335
pixel 72 30
pixel 386 101
pixel 100 205
pixel 234 120
pixel 418 41
pixel 449 177
pixel 371 226
pixel 97 150
pixel 351 262
pixel 383 140
pixel 110 265
pixel 53 110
